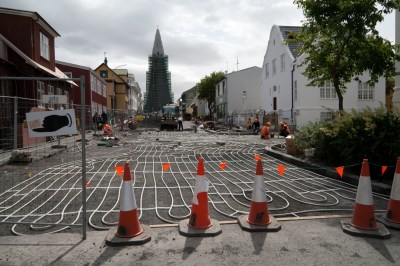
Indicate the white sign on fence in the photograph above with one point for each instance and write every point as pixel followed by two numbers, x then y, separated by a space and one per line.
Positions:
pixel 51 123
pixel 55 99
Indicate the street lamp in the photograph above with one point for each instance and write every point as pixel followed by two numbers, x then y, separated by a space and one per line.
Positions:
pixel 244 96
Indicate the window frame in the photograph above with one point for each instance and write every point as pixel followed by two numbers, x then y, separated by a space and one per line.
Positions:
pixel 44 46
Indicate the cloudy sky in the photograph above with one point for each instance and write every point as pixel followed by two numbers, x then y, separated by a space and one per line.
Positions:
pixel 199 36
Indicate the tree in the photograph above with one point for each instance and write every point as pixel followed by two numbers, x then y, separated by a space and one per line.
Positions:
pixel 340 41
pixel 206 88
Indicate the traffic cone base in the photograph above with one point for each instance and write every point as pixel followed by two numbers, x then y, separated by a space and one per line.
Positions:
pixel 113 240
pixel 381 232
pixel 364 217
pixel 258 214
pixel 186 230
pixel 129 225
pixel 272 226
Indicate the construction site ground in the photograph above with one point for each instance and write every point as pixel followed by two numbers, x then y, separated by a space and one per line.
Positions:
pixel 309 206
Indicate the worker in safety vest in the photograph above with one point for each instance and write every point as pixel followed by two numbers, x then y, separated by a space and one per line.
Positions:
pixel 265 131
pixel 107 129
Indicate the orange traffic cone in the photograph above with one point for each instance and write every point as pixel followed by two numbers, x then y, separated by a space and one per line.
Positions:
pixel 259 218
pixel 363 222
pixel 392 217
pixel 199 222
pixel 129 230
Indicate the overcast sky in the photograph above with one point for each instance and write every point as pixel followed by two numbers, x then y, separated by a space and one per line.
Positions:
pixel 199 36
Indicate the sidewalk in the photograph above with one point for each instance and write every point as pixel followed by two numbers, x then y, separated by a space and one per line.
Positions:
pixel 302 242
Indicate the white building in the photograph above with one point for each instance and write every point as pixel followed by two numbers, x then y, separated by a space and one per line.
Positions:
pixel 284 89
pixel 134 102
pixel 238 96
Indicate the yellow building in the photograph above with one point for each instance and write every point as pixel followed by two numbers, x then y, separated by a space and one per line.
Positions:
pixel 117 89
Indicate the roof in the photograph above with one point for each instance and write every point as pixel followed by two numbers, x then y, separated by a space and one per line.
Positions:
pixel 158 48
pixel 57 73
pixel 295 46
pixel 78 66
pixel 121 72
pixel 34 15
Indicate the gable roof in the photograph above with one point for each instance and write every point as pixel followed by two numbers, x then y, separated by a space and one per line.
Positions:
pixel 293 47
pixel 34 15
pixel 112 71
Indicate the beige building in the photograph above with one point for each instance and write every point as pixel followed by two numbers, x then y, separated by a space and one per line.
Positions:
pixel 117 89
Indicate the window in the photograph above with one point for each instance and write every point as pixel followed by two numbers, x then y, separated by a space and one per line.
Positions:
pixel 223 86
pixel 274 67
pixel 68 74
pixel 274 88
pixel 104 73
pixel 50 91
pixel 58 91
pixel 266 70
pixel 104 90
pixel 66 93
pixel 295 90
pixel 327 91
pixel 283 62
pixel 40 92
pixel 365 91
pixel 324 116
pixel 44 46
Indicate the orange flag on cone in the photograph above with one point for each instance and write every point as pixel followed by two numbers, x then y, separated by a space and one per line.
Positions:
pixel 119 169
pixel 340 170
pixel 384 167
pixel 281 169
pixel 166 166
pixel 257 157
pixel 222 165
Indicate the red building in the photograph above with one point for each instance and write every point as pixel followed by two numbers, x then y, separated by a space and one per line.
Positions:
pixel 26 52
pixel 96 96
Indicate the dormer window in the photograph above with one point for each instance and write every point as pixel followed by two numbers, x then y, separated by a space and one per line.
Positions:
pixel 44 46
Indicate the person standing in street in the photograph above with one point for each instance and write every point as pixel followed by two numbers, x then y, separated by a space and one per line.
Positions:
pixel 180 123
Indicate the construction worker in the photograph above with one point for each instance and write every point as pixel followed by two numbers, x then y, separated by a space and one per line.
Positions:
pixel 256 126
pixel 107 129
pixel 265 131
pixel 284 129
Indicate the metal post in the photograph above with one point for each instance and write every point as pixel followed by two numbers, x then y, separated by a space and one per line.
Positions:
pixel 15 123
pixel 83 123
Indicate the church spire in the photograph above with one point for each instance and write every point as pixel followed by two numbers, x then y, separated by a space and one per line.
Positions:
pixel 158 47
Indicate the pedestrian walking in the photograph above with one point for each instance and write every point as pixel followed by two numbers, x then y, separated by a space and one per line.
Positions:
pixel 180 123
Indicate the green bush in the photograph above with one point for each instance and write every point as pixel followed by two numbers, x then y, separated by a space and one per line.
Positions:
pixel 350 138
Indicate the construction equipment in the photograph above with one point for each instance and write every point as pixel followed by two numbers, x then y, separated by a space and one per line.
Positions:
pixel 170 113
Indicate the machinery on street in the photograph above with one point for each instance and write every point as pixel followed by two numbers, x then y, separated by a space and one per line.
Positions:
pixel 170 114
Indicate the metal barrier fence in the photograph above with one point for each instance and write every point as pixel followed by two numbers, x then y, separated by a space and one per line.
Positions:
pixel 42 179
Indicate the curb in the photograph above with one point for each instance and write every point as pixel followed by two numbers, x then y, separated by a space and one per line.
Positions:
pixel 326 171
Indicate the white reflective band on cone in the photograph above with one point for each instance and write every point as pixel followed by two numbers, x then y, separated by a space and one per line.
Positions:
pixel 201 185
pixel 259 190
pixel 395 194
pixel 127 200
pixel 364 191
